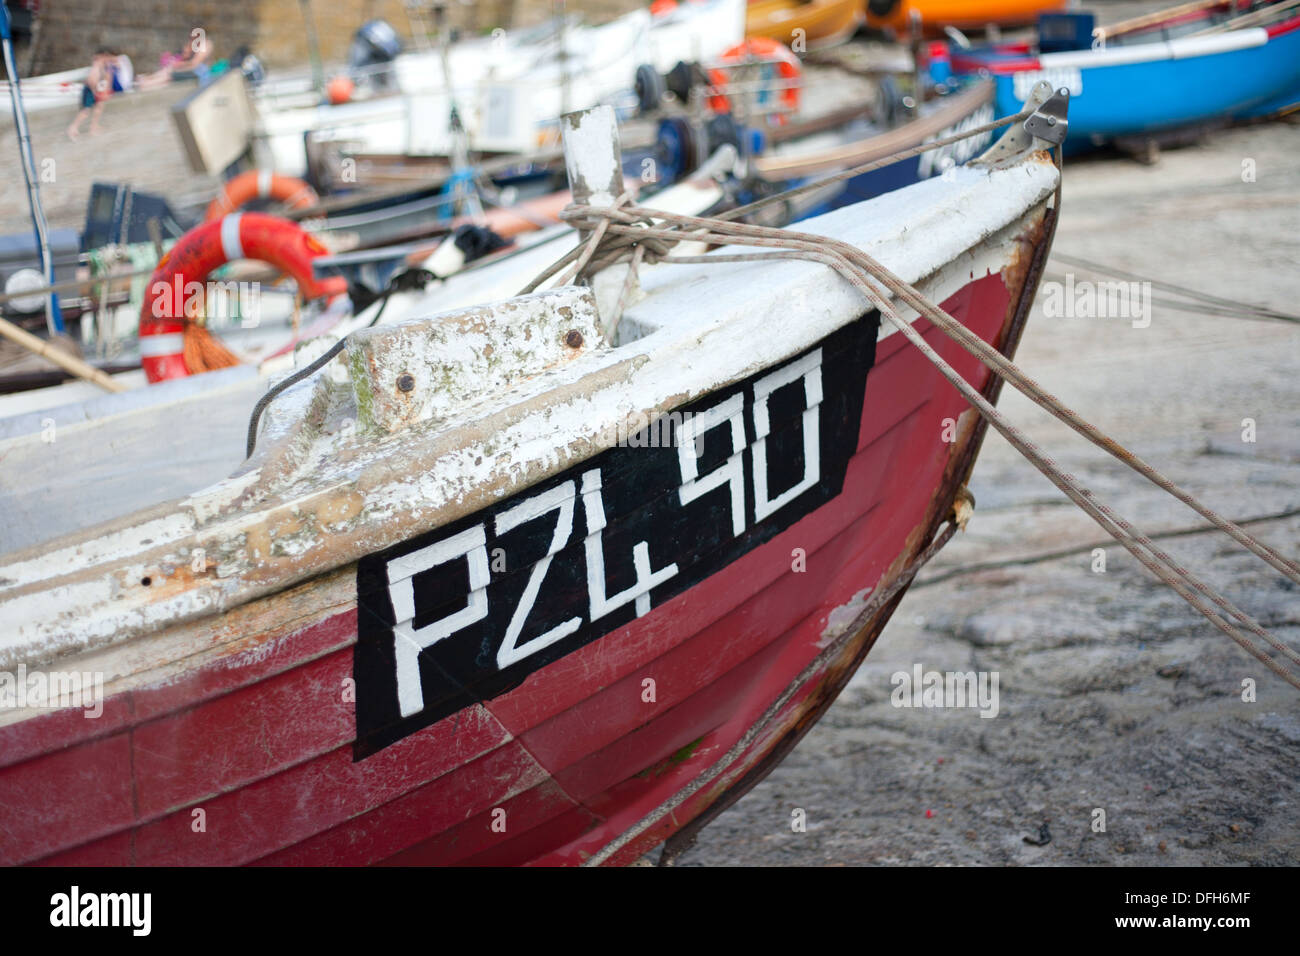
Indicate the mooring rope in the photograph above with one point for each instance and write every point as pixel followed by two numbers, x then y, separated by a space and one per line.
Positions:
pixel 1059 554
pixel 810 186
pixel 615 232
pixel 1211 304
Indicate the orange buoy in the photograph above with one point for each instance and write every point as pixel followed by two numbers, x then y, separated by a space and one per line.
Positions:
pixel 339 90
pixel 788 71
pixel 172 343
pixel 261 184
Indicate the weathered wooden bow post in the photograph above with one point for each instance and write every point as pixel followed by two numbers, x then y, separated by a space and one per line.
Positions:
pixel 593 161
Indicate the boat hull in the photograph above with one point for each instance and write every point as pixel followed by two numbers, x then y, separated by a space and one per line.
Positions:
pixel 877 182
pixel 822 23
pixel 963 14
pixel 1154 87
pixel 267 748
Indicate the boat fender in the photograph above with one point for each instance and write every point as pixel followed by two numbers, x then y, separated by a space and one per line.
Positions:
pixel 172 342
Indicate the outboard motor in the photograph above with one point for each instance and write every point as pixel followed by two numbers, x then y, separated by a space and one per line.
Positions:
pixel 374 47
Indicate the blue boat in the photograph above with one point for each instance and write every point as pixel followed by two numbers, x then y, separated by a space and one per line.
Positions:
pixel 1195 65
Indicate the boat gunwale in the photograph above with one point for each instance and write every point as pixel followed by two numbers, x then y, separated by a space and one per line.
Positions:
pixel 1008 59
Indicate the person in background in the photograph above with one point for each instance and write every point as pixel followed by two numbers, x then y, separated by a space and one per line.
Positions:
pixel 96 90
pixel 111 73
pixel 142 81
pixel 194 59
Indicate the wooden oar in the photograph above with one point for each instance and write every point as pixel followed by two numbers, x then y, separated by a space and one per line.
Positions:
pixel 69 363
pixel 1151 19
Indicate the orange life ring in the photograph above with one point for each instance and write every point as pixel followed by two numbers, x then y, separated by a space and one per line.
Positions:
pixel 261 184
pixel 787 66
pixel 176 291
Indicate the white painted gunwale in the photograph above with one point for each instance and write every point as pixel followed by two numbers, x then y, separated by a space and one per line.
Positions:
pixel 1176 49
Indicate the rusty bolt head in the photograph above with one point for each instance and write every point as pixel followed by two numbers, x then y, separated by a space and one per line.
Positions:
pixel 405 382
pixel 573 339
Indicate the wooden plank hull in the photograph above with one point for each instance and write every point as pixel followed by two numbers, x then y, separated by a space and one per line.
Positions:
pixel 252 753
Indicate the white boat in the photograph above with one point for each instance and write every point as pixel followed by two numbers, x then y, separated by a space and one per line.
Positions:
pixel 509 89
pixel 50 90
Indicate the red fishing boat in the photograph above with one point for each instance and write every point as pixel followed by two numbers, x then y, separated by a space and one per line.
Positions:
pixel 509 589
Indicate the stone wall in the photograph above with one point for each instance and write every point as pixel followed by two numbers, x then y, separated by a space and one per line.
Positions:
pixel 70 30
